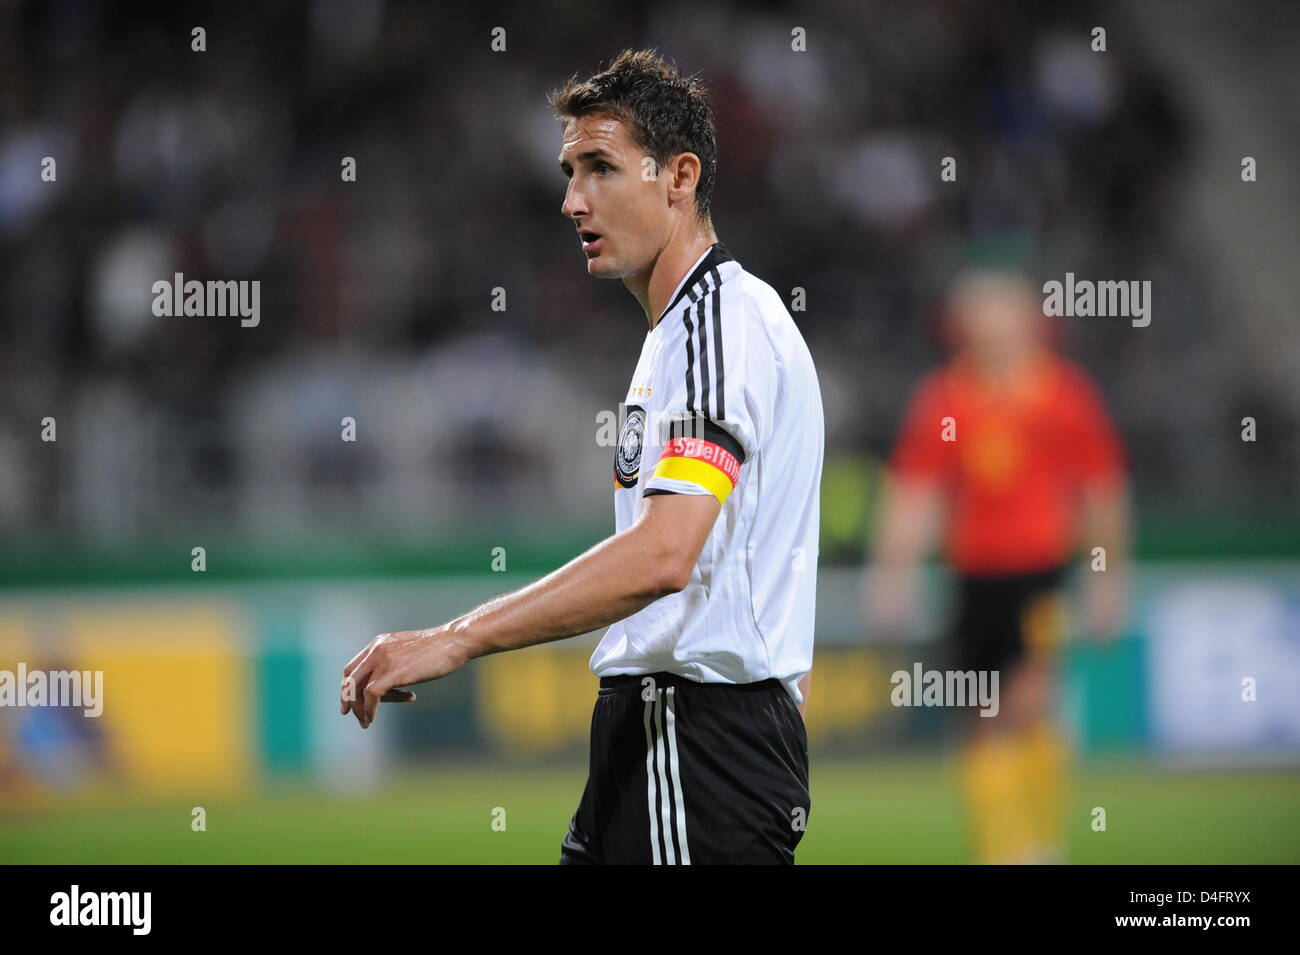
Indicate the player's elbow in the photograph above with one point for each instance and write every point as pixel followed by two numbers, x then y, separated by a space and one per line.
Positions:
pixel 676 577
pixel 668 539
pixel 670 573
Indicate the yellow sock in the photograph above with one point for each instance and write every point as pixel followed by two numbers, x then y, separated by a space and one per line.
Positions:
pixel 1047 765
pixel 992 776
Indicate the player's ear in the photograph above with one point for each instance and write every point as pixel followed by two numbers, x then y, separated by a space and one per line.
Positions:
pixel 683 176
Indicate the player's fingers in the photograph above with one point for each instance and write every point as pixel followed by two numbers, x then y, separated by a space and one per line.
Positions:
pixel 348 691
pixel 353 689
pixel 383 689
pixel 375 691
pixel 352 676
pixel 359 707
pixel 356 660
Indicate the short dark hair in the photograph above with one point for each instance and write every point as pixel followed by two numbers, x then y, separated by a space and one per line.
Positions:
pixel 668 113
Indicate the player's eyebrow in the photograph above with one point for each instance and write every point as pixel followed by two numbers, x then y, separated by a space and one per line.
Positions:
pixel 588 156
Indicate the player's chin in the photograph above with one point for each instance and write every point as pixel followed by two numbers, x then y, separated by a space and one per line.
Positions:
pixel 602 266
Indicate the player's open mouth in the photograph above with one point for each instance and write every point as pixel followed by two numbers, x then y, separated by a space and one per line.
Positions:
pixel 590 241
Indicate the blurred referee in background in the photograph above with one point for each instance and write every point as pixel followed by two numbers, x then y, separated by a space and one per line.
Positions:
pixel 1003 450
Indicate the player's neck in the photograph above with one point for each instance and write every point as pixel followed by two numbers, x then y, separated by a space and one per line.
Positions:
pixel 653 287
pixel 1007 367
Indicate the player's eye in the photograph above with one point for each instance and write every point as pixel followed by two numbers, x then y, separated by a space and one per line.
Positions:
pixel 603 168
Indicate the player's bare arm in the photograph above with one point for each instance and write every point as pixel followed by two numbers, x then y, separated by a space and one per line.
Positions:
pixel 909 527
pixel 611 581
pixel 1106 519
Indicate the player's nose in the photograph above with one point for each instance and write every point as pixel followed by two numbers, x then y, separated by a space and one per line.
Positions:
pixel 574 205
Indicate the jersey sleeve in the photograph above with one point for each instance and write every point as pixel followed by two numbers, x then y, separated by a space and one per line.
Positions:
pixel 920 453
pixel 720 411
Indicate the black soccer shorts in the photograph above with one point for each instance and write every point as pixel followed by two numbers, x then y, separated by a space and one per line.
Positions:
pixel 688 773
pixel 1001 619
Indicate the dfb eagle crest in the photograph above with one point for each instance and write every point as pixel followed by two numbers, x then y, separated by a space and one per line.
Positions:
pixel 627 458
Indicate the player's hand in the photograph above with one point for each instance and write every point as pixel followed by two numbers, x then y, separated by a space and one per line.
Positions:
pixel 393 660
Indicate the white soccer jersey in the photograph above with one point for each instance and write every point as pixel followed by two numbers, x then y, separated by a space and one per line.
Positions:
pixel 725 401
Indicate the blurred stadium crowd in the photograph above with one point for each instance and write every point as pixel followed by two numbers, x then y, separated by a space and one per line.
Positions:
pixel 376 295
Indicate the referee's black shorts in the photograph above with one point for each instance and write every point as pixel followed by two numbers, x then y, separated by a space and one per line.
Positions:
pixel 1003 619
pixel 691 773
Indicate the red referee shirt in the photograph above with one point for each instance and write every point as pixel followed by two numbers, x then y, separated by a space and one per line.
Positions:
pixel 1022 449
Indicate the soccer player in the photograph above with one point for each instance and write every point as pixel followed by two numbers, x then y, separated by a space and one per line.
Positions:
pixel 1005 448
pixel 698 749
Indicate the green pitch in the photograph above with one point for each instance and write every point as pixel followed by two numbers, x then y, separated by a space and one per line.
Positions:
pixel 866 811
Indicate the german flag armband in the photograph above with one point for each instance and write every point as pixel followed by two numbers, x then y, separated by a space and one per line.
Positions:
pixel 701 452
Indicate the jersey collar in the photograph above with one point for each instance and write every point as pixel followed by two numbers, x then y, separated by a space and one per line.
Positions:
pixel 714 256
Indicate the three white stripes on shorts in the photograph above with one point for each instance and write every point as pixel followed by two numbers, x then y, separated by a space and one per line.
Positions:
pixel 661 764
